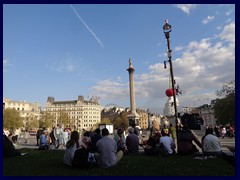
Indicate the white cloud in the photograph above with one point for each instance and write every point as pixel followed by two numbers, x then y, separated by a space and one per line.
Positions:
pixel 5 65
pixel 4 62
pixel 219 28
pixel 178 48
pixel 186 8
pixel 228 33
pixel 229 12
pixel 202 69
pixel 110 89
pixel 67 64
pixel 207 19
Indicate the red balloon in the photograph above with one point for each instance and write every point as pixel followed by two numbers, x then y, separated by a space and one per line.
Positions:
pixel 169 92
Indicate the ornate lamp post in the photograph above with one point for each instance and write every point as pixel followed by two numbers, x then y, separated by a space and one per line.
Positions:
pixel 167 30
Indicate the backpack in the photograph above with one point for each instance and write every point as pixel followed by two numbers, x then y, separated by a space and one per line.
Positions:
pixel 80 159
pixel 185 135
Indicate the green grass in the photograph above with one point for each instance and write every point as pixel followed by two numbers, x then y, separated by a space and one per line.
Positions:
pixel 50 163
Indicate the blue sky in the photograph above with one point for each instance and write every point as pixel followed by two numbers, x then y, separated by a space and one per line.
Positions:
pixel 69 50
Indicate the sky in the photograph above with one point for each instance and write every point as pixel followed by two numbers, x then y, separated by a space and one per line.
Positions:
pixel 68 50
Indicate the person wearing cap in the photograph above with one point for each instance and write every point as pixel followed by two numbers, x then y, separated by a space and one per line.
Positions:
pixel 107 155
pixel 132 142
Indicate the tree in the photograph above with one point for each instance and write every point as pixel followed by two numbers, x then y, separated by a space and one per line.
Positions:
pixel 12 119
pixel 64 119
pixel 32 124
pixel 46 120
pixel 123 115
pixel 224 109
pixel 227 88
pixel 117 122
pixel 121 120
pixel 103 121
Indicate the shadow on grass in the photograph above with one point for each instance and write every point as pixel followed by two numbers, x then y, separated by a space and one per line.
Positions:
pixel 50 163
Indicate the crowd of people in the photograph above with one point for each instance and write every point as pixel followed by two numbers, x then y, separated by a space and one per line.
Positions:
pixel 96 148
pixel 104 151
pixel 223 131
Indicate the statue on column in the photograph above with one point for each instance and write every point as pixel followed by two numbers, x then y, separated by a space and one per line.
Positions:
pixel 130 63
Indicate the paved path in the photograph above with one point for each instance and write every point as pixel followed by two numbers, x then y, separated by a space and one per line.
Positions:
pixel 32 143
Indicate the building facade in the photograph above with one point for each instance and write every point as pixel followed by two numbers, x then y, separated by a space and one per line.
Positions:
pixel 28 111
pixel 85 114
pixel 207 114
pixel 143 118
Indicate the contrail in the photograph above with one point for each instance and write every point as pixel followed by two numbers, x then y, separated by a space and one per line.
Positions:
pixel 88 28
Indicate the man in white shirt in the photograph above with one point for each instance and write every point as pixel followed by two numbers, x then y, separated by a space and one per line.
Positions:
pixel 107 155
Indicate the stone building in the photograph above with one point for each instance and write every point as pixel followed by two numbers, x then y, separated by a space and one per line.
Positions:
pixel 29 111
pixel 207 114
pixel 113 112
pixel 143 119
pixel 85 114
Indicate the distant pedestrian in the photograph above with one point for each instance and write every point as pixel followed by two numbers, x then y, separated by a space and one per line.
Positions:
pixel 58 135
pixel 217 131
pixel 223 132
pixel 26 136
pixel 65 137
pixel 17 135
pixel 38 134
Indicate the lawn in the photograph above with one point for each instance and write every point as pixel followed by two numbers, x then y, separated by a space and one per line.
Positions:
pixel 50 163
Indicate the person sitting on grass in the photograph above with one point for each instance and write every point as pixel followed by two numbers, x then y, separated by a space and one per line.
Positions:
pixel 107 155
pixel 94 139
pixel 11 137
pixel 167 143
pixel 120 140
pixel 44 143
pixel 86 139
pixel 9 149
pixel 132 142
pixel 185 139
pixel 151 148
pixel 73 144
pixel 211 144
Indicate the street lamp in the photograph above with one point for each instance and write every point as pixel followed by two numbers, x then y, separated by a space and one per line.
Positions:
pixel 167 30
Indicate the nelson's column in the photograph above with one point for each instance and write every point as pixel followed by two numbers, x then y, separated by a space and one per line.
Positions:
pixel 133 117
